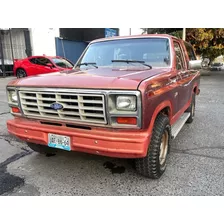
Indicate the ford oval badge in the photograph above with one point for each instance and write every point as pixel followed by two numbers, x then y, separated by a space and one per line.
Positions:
pixel 56 106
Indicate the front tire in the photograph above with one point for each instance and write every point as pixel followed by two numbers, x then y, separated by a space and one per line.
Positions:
pixel 20 73
pixel 154 164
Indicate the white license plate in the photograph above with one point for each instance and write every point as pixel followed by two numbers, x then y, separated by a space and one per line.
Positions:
pixel 59 141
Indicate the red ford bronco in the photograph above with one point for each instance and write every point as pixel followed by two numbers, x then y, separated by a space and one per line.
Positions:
pixel 126 97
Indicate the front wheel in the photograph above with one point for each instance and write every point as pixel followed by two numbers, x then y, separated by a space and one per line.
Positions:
pixel 154 164
pixel 20 73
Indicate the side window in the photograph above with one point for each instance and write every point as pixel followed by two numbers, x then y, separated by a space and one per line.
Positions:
pixel 33 60
pixel 179 57
pixel 190 51
pixel 42 61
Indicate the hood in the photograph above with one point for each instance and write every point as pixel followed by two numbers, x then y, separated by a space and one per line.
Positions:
pixel 101 78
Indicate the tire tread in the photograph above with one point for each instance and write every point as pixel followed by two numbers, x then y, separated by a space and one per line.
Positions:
pixel 149 166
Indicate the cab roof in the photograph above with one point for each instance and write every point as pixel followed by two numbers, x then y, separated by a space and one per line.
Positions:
pixel 133 37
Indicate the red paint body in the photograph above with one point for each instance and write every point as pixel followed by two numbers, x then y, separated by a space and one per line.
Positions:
pixel 157 93
pixel 35 69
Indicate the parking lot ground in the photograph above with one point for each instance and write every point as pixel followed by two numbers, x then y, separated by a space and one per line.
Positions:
pixel 195 163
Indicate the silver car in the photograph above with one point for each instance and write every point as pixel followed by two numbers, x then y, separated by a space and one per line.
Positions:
pixel 217 66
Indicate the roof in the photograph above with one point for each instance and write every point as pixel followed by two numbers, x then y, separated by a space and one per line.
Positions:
pixel 133 37
pixel 46 56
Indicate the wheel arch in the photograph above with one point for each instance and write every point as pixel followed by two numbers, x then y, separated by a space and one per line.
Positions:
pixel 165 108
pixel 20 68
pixel 196 89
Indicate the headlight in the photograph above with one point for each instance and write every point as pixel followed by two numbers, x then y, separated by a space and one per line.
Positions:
pixel 126 103
pixel 13 96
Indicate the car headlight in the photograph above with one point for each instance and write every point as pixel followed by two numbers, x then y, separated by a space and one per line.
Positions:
pixel 126 103
pixel 13 96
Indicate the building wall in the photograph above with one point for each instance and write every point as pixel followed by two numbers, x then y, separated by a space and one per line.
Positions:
pixel 126 31
pixel 43 41
pixel 84 34
pixel 69 49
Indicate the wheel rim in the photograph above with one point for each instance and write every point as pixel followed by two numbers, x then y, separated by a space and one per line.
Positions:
pixel 163 148
pixel 21 73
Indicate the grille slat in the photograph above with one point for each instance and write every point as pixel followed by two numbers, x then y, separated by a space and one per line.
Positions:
pixel 88 108
pixel 29 103
pixel 29 97
pixel 92 115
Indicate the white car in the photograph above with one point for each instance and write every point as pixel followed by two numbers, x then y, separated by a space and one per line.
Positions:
pixel 217 66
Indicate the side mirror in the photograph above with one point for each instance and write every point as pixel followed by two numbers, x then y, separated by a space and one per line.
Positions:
pixel 49 65
pixel 195 64
pixel 205 62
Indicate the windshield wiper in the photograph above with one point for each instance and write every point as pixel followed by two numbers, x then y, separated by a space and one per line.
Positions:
pixel 133 61
pixel 88 63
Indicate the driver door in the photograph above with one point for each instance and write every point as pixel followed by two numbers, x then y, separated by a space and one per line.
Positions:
pixel 181 71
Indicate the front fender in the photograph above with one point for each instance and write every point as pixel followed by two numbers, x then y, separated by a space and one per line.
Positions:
pixel 159 108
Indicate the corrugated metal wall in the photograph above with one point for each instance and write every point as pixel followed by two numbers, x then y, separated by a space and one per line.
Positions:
pixel 18 45
pixel 15 44
pixel 71 49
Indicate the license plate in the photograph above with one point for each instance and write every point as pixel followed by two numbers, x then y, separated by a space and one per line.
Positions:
pixel 59 141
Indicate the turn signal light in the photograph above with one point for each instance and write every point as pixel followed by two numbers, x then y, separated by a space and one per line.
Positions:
pixel 15 110
pixel 127 120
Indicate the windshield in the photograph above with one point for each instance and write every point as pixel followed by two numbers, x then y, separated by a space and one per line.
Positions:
pixel 153 51
pixel 217 64
pixel 61 62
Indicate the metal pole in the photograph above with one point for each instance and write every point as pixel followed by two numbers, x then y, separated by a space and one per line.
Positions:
pixel 130 31
pixel 2 54
pixel 10 35
pixel 62 44
pixel 184 34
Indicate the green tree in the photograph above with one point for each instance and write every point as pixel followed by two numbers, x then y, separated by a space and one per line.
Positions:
pixel 161 30
pixel 207 42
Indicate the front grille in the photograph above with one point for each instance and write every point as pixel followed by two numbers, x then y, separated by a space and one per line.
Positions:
pixel 88 108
